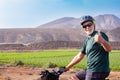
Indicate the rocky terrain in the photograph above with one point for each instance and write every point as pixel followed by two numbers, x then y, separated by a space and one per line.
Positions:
pixel 8 72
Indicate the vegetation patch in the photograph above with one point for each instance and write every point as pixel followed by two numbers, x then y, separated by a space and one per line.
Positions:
pixel 18 63
pixel 53 58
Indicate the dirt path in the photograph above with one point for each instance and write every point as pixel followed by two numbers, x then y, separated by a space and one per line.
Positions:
pixel 32 73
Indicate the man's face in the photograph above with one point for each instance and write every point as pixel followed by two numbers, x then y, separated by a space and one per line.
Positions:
pixel 88 27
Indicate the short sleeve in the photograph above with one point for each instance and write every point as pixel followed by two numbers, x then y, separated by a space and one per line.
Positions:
pixel 83 49
pixel 105 36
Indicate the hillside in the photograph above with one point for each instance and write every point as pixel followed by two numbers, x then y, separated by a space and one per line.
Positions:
pixel 63 29
pixel 26 36
pixel 32 35
pixel 106 21
pixel 114 34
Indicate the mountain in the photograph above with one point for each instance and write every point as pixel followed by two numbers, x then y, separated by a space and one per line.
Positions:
pixel 63 29
pixel 31 35
pixel 65 22
pixel 114 34
pixel 107 21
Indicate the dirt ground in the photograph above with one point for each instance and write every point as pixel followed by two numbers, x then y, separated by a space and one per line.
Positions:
pixel 8 72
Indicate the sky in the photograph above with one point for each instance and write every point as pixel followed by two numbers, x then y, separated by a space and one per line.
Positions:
pixel 32 13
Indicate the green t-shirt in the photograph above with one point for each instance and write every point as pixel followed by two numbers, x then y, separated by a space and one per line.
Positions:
pixel 97 57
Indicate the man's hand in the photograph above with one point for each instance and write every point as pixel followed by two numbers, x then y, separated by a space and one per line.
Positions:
pixel 98 38
pixel 61 70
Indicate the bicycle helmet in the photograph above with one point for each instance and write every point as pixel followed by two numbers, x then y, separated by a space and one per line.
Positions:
pixel 86 18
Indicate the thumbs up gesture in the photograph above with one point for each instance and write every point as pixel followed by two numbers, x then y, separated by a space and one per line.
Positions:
pixel 98 38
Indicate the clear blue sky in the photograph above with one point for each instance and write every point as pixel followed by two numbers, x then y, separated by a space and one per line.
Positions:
pixel 32 13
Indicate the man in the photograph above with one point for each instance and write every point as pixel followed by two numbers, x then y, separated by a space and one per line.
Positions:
pixel 96 47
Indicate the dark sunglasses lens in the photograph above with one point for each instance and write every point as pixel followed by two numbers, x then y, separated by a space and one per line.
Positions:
pixel 88 25
pixel 84 26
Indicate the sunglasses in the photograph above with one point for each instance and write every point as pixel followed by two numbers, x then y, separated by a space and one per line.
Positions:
pixel 87 25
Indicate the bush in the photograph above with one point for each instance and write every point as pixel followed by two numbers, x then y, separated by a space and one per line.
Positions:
pixel 50 65
pixel 18 62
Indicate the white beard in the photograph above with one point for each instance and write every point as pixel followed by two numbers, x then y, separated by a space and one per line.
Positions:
pixel 90 32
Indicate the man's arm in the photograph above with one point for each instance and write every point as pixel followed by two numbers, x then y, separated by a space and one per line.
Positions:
pixel 75 60
pixel 100 39
pixel 106 46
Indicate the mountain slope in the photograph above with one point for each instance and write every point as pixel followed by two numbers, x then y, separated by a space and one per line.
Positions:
pixel 63 29
pixel 106 21
pixel 65 22
pixel 114 34
pixel 31 35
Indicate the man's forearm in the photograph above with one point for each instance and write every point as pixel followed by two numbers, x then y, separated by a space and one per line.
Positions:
pixel 75 60
pixel 106 46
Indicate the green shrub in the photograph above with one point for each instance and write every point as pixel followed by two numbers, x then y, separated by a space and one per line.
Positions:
pixel 50 65
pixel 18 63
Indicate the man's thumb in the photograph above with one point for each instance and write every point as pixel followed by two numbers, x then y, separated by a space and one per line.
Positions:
pixel 99 32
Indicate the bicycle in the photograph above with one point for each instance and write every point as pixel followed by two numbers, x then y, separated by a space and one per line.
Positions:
pixel 53 75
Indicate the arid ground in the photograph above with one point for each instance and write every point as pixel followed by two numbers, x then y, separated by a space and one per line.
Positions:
pixel 8 72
